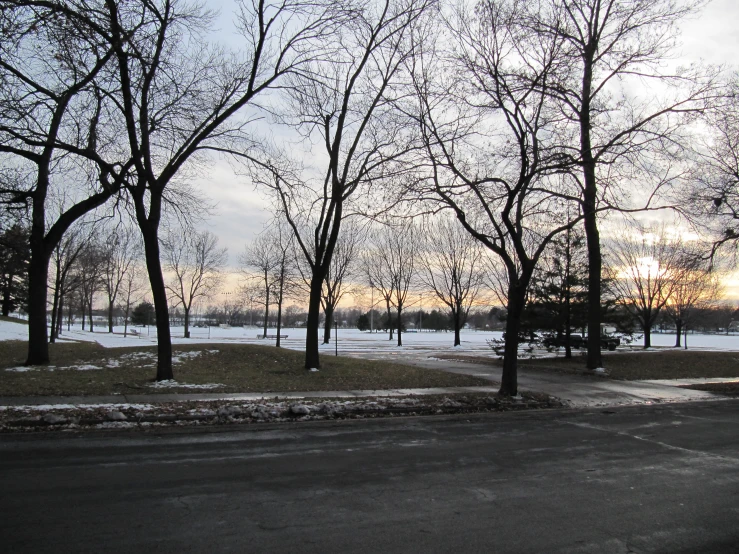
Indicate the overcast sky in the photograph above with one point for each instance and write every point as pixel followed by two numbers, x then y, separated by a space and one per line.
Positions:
pixel 241 213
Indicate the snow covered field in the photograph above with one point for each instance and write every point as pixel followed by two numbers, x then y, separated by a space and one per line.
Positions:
pixel 350 340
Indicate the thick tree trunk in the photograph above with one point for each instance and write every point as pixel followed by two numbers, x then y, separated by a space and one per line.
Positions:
pixel 312 359
pixel 389 321
pixel 509 378
pixel 187 321
pixel 678 334
pixel 161 310
pixel 38 274
pixel 647 336
pixel 329 313
pixel 89 305
pixel 590 197
pixel 595 359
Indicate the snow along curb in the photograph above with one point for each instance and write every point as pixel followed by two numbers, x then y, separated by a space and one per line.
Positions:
pixel 66 417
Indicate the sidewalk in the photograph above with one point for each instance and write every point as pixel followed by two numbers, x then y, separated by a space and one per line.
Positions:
pixel 583 391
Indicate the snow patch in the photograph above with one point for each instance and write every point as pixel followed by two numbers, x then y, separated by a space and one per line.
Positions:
pixel 81 367
pixel 171 383
pixel 313 370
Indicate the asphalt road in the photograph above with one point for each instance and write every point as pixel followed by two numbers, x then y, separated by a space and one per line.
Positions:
pixel 641 479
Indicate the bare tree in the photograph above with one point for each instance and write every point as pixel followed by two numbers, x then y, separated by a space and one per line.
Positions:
pixel 338 282
pixel 347 106
pixel 452 268
pixel 378 279
pixel 120 250
pixel 342 269
pixel 259 265
pixel 179 97
pixel 396 251
pixel 130 292
pixel 492 138
pixel 612 45
pixel 196 262
pixel 66 281
pixel 714 196
pixel 90 265
pixel 647 266
pixel 50 56
pixel 698 288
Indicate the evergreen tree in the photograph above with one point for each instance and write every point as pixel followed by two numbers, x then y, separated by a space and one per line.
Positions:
pixel 143 314
pixel 15 253
pixel 559 289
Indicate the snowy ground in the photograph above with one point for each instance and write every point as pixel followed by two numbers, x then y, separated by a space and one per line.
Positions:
pixel 349 340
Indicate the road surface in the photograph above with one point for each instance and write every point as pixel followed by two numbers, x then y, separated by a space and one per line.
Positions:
pixel 638 479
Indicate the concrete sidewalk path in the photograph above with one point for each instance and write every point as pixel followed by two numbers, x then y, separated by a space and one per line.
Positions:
pixel 580 391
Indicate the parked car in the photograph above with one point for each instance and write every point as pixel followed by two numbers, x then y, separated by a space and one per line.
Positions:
pixel 608 342
pixel 554 341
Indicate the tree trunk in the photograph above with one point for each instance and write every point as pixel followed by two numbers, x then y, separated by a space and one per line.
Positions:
pixel 89 305
pixel 110 316
pixel 55 304
pixel 312 360
pixel 329 312
pixel 38 274
pixel 509 378
pixel 400 326
pixel 568 295
pixel 187 321
pixel 6 297
pixel 590 197
pixel 647 335
pixel 59 316
pixel 266 311
pixel 389 320
pixel 161 311
pixel 679 327
pixel 457 318
pixel 279 308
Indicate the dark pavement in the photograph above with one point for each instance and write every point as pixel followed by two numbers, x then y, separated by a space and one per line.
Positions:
pixel 637 479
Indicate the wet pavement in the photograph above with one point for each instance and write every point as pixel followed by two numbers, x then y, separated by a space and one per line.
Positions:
pixel 660 479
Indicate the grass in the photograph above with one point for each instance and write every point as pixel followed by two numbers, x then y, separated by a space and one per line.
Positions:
pixel 237 368
pixel 730 389
pixel 13 319
pixel 656 364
